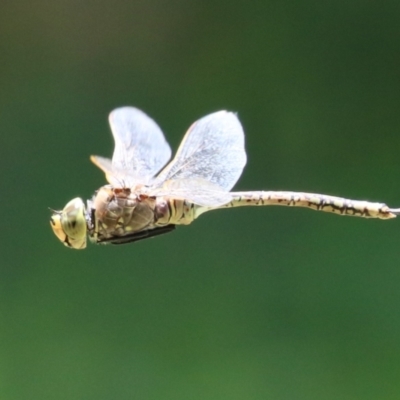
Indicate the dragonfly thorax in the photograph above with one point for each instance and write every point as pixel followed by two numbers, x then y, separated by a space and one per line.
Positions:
pixel 120 211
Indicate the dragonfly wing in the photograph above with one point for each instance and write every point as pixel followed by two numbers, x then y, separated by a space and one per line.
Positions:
pixel 197 191
pixel 212 150
pixel 105 164
pixel 140 148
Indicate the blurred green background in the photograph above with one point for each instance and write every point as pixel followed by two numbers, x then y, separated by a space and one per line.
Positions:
pixel 255 303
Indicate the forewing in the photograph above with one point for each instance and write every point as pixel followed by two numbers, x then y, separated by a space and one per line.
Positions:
pixel 140 148
pixel 212 150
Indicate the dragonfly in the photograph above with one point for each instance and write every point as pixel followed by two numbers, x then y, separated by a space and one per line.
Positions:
pixel 142 200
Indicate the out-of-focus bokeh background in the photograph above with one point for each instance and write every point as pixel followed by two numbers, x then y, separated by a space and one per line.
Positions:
pixel 255 303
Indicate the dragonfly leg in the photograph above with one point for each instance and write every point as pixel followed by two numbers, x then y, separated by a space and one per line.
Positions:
pixel 136 236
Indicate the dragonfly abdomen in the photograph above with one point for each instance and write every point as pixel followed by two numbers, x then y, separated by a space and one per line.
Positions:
pixel 174 211
pixel 318 202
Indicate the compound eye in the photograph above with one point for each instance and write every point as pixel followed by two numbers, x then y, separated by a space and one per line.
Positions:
pixel 73 219
pixel 69 225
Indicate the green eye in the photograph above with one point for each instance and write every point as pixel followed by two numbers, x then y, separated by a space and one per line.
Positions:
pixel 69 225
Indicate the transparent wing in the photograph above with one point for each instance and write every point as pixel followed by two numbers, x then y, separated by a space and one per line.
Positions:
pixel 140 148
pixel 105 164
pixel 197 191
pixel 212 151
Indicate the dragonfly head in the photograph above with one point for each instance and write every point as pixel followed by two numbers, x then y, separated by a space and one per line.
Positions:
pixel 70 225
